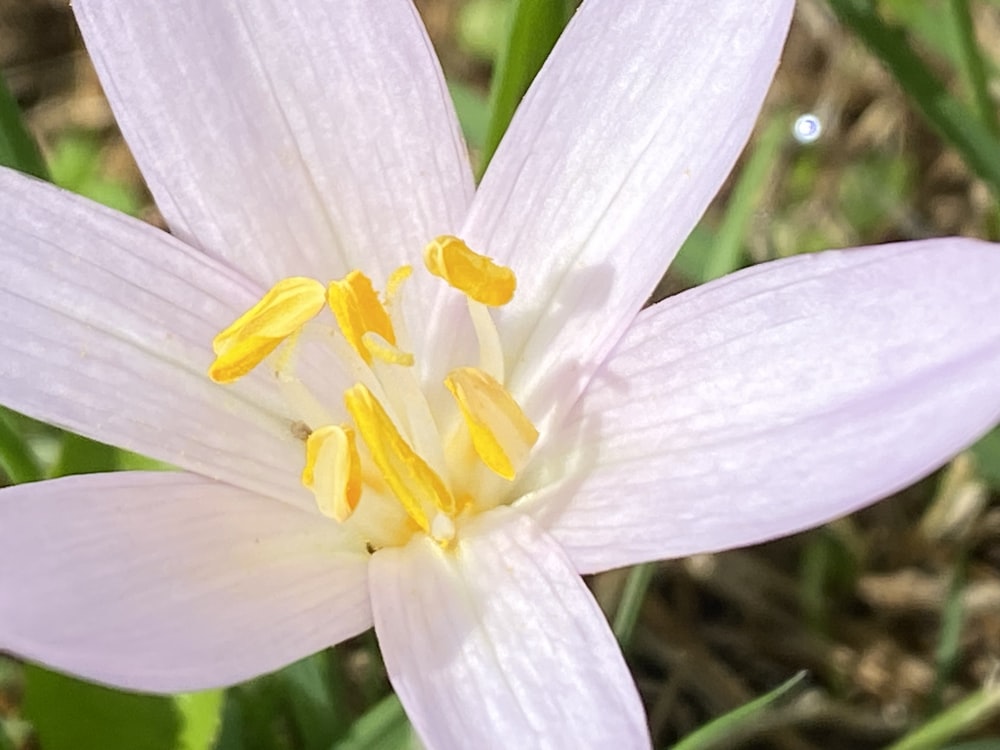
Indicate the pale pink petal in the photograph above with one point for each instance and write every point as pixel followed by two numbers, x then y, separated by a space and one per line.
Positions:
pixel 165 582
pixel 498 643
pixel 287 138
pixel 626 136
pixel 106 327
pixel 776 399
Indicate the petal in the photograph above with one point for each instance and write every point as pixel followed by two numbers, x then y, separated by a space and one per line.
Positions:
pixel 776 399
pixel 106 328
pixel 498 643
pixel 630 129
pixel 165 582
pixel 299 138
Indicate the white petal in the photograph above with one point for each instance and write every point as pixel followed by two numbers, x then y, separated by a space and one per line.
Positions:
pixel 106 328
pixel 302 138
pixel 629 131
pixel 166 582
pixel 498 643
pixel 776 399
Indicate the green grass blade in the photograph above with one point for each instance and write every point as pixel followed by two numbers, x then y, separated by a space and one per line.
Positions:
pixel 251 719
pixel 973 66
pixel 718 732
pixel 956 122
pixel 17 148
pixel 727 252
pixel 17 459
pixel 948 653
pixel 384 727
pixel 80 455
pixel 978 709
pixel 306 686
pixel 632 597
pixel 534 30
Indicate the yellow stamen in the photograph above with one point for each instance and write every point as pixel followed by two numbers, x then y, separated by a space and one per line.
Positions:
pixel 381 349
pixel 358 311
pixel 287 306
pixel 501 434
pixel 333 471
pixel 417 487
pixel 469 272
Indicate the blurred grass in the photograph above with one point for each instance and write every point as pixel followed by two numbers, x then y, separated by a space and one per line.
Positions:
pixel 894 612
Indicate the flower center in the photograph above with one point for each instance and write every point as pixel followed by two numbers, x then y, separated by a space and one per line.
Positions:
pixel 390 467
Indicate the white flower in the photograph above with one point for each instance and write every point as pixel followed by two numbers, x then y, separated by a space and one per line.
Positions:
pixel 311 139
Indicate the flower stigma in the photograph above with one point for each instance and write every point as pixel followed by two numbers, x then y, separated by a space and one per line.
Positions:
pixel 384 462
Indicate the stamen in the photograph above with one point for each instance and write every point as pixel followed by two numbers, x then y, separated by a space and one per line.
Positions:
pixel 396 384
pixel 301 400
pixel 417 487
pixel 393 300
pixel 333 471
pixel 501 434
pixel 490 350
pixel 358 311
pixel 287 306
pixel 469 272
pixel 381 349
pixel 395 283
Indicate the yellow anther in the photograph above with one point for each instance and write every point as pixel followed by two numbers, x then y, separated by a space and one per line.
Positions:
pixel 333 471
pixel 358 310
pixel 501 434
pixel 381 349
pixel 469 272
pixel 287 306
pixel 415 484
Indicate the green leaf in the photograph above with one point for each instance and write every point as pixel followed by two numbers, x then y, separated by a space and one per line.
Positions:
pixel 819 561
pixel 927 21
pixel 304 704
pixel 956 122
pixel 129 461
pixel 17 147
pixel 948 654
pixel 717 733
pixel 534 30
pixel 384 727
pixel 250 719
pixel 17 459
pixel 727 251
pixel 69 714
pixel 305 686
pixel 633 596
pixel 973 65
pixel 76 166
pixel 987 453
pixel 80 455
pixel 473 113
pixel 974 711
pixel 201 718
pixel 692 258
